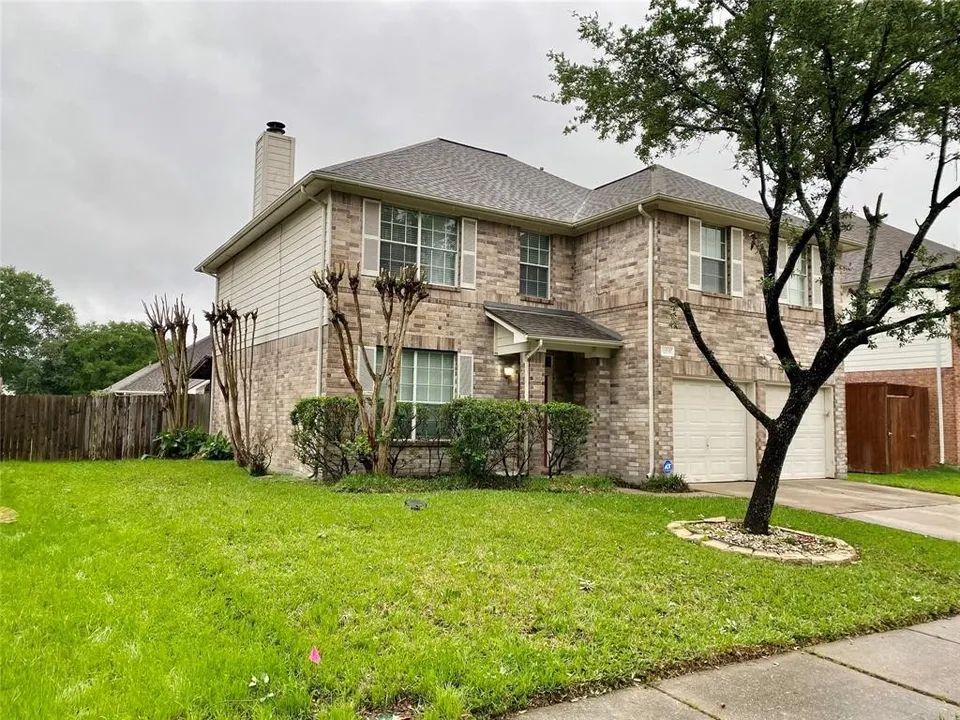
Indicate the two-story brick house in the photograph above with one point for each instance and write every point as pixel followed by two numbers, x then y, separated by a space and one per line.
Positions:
pixel 540 288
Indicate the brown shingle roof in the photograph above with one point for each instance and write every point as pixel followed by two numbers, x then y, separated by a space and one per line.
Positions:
pixel 467 175
pixel 149 379
pixel 550 323
pixel 891 242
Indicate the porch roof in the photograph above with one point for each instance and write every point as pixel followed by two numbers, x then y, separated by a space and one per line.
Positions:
pixel 524 327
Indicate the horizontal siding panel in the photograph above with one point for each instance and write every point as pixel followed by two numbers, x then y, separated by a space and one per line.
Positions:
pixel 920 352
pixel 273 275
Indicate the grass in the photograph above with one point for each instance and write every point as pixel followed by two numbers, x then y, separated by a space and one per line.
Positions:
pixel 363 483
pixel 156 589
pixel 942 479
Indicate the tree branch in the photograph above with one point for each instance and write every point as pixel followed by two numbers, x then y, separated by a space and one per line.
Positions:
pixel 717 368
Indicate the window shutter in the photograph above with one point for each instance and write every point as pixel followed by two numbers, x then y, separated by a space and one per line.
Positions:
pixel 465 375
pixel 363 375
pixel 736 262
pixel 693 254
pixel 468 253
pixel 370 252
pixel 815 278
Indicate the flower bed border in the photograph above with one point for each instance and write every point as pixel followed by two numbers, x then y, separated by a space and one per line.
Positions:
pixel 844 554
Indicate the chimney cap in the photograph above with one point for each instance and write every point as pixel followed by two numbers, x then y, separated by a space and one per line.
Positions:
pixel 276 127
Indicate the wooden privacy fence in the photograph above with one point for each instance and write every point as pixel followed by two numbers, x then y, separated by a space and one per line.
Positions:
pixel 888 427
pixel 66 427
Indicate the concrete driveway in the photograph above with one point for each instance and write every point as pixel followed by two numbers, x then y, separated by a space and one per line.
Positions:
pixel 920 512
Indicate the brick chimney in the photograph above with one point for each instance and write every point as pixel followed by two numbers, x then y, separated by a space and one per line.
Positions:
pixel 273 165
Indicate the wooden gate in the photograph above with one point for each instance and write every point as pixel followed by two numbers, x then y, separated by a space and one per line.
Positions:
pixel 888 427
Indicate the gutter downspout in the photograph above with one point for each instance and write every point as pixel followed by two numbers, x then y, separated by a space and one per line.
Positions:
pixel 651 434
pixel 943 456
pixel 526 369
pixel 323 251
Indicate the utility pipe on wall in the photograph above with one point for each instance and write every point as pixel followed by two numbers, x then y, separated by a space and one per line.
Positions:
pixel 943 456
pixel 651 435
pixel 324 245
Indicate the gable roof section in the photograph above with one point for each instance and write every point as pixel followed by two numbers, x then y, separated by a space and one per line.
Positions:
pixel 149 379
pixel 891 243
pixel 485 181
pixel 467 175
pixel 554 324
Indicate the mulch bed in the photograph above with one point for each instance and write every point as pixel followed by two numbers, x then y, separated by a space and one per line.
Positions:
pixel 782 544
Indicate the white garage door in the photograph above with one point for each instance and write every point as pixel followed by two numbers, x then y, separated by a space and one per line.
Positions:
pixel 709 432
pixel 807 457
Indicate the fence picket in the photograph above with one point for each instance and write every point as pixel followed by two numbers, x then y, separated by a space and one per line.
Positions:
pixel 64 427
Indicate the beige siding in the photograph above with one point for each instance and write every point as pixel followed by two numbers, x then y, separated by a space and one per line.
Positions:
pixel 920 352
pixel 273 275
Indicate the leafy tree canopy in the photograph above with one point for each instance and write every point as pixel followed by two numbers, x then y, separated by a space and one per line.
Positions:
pixel 89 358
pixel 30 315
pixel 808 93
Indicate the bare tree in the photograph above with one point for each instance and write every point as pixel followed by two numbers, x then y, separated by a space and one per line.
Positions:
pixel 233 334
pixel 400 294
pixel 174 334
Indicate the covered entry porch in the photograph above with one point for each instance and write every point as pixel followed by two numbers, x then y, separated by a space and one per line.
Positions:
pixel 546 350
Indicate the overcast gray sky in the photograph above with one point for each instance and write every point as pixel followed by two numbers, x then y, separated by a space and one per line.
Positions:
pixel 128 129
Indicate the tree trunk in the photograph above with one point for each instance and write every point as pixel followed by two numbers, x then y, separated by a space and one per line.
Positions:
pixel 760 509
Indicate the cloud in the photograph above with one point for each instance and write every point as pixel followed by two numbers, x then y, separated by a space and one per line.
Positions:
pixel 128 129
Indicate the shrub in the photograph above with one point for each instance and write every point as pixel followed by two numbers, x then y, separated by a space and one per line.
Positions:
pixel 179 443
pixel 259 452
pixel 216 447
pixel 659 482
pixel 491 439
pixel 325 435
pixel 568 426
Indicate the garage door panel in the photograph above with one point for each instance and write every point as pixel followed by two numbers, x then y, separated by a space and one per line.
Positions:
pixel 807 457
pixel 710 432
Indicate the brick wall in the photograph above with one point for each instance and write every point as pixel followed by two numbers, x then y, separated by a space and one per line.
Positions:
pixel 285 371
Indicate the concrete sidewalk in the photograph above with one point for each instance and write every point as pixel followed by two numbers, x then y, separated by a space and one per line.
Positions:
pixel 911 673
pixel 920 512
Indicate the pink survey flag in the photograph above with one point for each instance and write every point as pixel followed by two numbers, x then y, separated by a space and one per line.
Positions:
pixel 314 655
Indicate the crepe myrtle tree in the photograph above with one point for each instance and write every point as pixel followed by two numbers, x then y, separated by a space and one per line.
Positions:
pixel 400 293
pixel 808 94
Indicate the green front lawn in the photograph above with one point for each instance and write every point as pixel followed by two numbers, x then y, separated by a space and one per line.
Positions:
pixel 156 589
pixel 942 479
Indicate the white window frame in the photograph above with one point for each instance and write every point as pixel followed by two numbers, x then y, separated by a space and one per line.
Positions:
pixel 384 207
pixel 415 401
pixel 537 265
pixel 725 243
pixel 803 262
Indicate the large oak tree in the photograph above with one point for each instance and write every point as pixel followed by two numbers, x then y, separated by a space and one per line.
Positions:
pixel 809 94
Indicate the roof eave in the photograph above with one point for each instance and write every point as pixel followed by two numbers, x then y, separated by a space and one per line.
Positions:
pixel 315 182
pixel 298 194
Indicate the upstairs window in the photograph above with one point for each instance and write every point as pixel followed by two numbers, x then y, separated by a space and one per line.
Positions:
pixel 534 265
pixel 714 260
pixel 795 292
pixel 409 237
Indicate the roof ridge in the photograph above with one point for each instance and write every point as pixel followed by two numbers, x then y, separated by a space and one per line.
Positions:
pixel 651 166
pixel 475 147
pixel 380 154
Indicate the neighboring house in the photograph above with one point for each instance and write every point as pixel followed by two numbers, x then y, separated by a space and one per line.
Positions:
pixel 540 288
pixel 924 361
pixel 148 380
